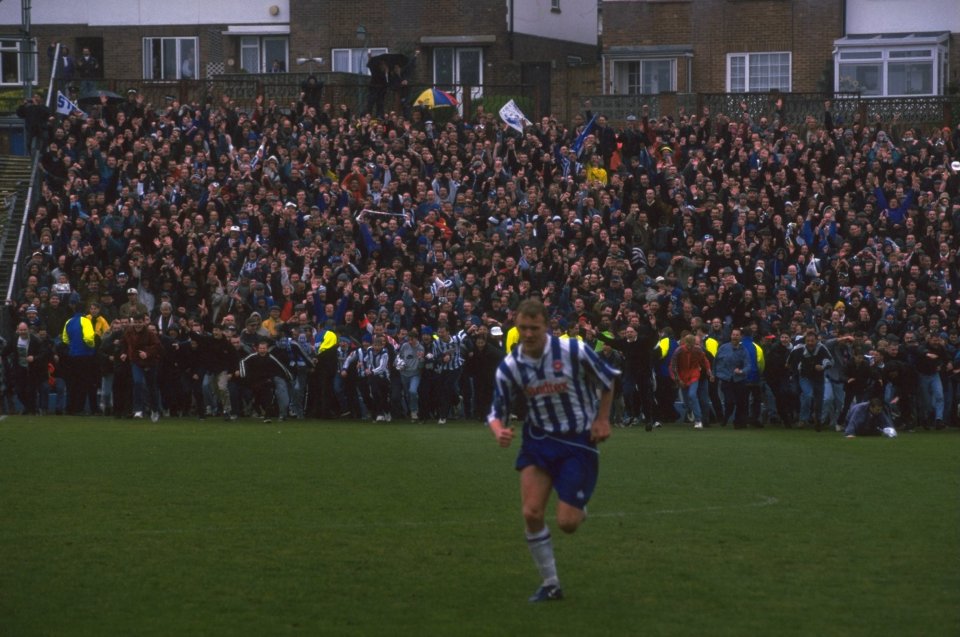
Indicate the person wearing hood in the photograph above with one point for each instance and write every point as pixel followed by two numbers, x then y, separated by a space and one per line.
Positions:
pixel 82 374
pixel 311 93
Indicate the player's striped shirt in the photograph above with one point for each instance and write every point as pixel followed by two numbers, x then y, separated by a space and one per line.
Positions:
pixel 454 347
pixel 562 388
pixel 377 362
pixel 343 355
pixel 355 360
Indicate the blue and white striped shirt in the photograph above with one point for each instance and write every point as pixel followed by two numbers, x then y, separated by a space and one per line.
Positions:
pixel 562 388
pixel 453 347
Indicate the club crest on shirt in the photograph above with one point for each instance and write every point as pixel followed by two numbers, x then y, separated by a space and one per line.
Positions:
pixel 558 366
pixel 546 388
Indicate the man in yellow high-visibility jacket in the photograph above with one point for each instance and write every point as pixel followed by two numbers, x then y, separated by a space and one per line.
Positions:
pixel 82 374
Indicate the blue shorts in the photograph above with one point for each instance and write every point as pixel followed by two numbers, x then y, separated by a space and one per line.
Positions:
pixel 572 461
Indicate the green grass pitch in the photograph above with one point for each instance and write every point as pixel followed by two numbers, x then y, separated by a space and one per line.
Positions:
pixel 186 528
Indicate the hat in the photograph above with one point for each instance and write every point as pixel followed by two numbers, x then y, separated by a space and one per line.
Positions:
pixel 496 330
pixel 817 282
pixel 121 274
pixel 839 305
pixel 131 91
pixel 234 228
pixel 290 204
pixel 367 338
pixel 955 166
pixel 132 291
pixel 631 118
pixel 758 269
pixel 426 331
pixel 659 279
pixel 32 308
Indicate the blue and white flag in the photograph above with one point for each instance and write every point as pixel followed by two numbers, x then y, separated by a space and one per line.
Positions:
pixel 256 158
pixel 577 145
pixel 513 117
pixel 65 106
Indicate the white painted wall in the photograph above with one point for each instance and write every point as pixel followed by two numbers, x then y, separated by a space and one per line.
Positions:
pixel 896 16
pixel 107 13
pixel 576 21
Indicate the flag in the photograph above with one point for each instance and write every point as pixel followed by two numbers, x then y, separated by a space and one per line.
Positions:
pixel 256 158
pixel 65 106
pixel 577 145
pixel 512 116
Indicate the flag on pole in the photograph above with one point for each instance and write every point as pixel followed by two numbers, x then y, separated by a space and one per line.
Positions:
pixel 65 106
pixel 577 145
pixel 259 156
pixel 513 117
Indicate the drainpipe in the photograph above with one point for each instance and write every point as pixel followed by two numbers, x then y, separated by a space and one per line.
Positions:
pixel 510 27
pixel 26 51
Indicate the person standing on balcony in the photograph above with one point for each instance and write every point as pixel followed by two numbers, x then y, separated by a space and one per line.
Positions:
pixel 399 81
pixel 36 119
pixel 88 69
pixel 377 93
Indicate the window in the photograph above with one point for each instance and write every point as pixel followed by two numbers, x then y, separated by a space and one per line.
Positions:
pixel 353 60
pixel 886 72
pixel 454 68
pixel 170 58
pixel 264 54
pixel 555 6
pixel 892 64
pixel 16 68
pixel 752 72
pixel 645 77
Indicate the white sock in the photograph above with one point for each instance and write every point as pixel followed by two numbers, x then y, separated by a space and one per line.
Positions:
pixel 541 548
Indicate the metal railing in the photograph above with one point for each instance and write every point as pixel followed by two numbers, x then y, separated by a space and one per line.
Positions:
pixel 349 89
pixel 793 108
pixel 13 286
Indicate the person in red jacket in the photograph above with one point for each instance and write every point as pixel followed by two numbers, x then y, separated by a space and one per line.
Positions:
pixel 687 366
pixel 143 350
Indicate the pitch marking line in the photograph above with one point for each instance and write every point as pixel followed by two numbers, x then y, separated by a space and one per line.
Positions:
pixel 764 501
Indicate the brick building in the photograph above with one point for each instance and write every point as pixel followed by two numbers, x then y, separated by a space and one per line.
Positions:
pixel 479 43
pixel 881 48
pixel 718 46
pixel 895 48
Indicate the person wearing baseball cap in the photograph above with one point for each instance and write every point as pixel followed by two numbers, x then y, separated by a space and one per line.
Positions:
pixel 134 306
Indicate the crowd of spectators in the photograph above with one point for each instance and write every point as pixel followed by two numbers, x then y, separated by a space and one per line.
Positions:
pixel 339 243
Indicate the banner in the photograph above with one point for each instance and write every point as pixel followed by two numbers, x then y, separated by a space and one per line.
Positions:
pixel 577 145
pixel 513 117
pixel 65 106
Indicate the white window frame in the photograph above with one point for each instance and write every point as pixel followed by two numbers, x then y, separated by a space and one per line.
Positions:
pixel 15 47
pixel 746 68
pixel 258 43
pixel 357 58
pixel 555 5
pixel 882 58
pixel 178 42
pixel 456 84
pixel 621 67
